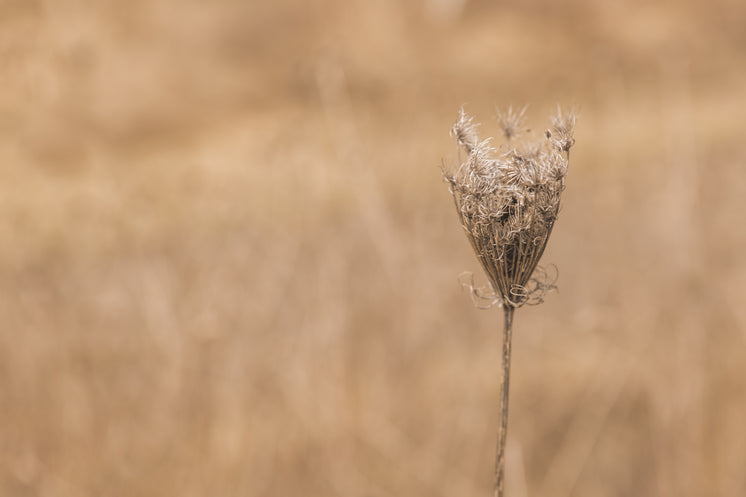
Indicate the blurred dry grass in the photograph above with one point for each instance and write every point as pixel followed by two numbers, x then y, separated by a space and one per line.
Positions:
pixel 229 262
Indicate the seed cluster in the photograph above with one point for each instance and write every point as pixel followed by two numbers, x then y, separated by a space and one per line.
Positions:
pixel 508 202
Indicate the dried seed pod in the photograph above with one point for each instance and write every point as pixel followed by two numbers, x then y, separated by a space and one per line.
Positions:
pixel 508 203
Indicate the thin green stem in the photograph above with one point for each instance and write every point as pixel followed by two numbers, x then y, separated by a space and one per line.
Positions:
pixel 502 431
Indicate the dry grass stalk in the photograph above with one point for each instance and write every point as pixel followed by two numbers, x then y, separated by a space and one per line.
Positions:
pixel 507 204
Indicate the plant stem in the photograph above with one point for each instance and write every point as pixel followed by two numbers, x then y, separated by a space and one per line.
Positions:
pixel 502 431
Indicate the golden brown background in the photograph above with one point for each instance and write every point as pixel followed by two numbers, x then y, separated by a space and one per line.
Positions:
pixel 229 262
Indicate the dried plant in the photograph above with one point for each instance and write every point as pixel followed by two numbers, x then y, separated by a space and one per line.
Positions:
pixel 507 204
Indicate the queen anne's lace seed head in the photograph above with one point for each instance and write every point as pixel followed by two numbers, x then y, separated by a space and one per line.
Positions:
pixel 508 203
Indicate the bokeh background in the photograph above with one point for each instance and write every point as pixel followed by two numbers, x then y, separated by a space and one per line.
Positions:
pixel 230 264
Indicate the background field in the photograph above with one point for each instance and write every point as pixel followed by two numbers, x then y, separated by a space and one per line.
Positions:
pixel 228 262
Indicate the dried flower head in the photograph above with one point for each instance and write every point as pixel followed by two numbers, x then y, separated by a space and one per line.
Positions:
pixel 563 127
pixel 511 122
pixel 465 131
pixel 508 203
